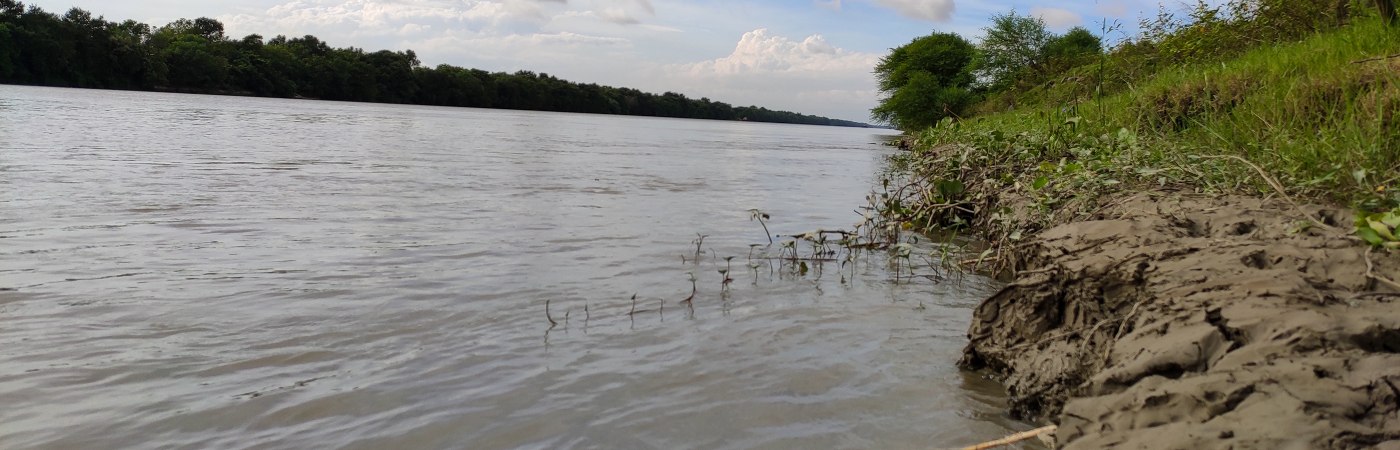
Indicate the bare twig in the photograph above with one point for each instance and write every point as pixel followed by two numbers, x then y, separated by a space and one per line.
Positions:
pixel 1122 326
pixel 547 316
pixel 1277 187
pixel 1372 275
pixel 1378 58
pixel 1012 439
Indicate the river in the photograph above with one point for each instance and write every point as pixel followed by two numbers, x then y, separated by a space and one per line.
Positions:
pixel 186 271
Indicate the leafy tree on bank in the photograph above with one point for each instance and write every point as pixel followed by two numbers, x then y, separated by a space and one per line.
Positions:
pixel 1014 48
pixel 1076 47
pixel 80 50
pixel 925 81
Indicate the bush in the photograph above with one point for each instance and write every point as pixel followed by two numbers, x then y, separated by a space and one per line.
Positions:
pixel 925 81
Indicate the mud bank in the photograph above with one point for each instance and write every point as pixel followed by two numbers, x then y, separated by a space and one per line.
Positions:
pixel 1179 321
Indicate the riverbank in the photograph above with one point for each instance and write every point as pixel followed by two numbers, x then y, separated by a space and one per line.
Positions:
pixel 1173 320
pixel 1183 271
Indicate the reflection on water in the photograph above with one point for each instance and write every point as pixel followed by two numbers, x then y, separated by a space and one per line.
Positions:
pixel 192 271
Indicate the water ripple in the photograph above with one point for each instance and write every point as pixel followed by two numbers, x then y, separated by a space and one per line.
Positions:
pixel 186 271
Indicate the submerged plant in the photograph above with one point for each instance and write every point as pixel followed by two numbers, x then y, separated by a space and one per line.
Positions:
pixel 760 216
pixel 693 290
pixel 699 241
pixel 901 252
pixel 724 274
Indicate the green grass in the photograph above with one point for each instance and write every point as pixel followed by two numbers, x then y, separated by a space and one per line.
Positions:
pixel 1325 126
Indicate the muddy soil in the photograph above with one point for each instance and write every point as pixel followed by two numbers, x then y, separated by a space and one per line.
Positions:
pixel 1182 321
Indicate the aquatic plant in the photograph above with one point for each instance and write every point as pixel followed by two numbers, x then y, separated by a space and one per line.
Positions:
pixel 724 274
pixel 693 290
pixel 760 216
pixel 699 241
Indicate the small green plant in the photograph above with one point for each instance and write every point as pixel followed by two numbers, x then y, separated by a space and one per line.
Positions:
pixel 1380 229
pixel 900 257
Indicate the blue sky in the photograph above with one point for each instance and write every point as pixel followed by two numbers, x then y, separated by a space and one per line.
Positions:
pixel 811 56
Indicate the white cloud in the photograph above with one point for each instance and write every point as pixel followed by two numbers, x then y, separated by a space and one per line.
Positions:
pixel 809 75
pixel 760 52
pixel 931 10
pixel 1057 17
pixel 348 18
pixel 524 45
pixel 616 42
pixel 339 19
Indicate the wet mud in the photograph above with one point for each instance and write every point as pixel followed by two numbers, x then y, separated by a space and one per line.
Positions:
pixel 1183 321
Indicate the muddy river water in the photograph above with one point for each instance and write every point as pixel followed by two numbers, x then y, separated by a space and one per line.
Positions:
pixel 184 271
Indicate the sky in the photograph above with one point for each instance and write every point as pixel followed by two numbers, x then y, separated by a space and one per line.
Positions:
pixel 809 56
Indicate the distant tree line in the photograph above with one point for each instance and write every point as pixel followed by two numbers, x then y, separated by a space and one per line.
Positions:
pixel 79 50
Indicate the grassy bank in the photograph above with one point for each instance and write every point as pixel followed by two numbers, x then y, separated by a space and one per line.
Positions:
pixel 1314 119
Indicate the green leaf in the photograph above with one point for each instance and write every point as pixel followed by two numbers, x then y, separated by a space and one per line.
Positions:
pixel 1127 137
pixel 1040 182
pixel 950 189
pixel 1382 230
pixel 1391 219
pixel 1370 236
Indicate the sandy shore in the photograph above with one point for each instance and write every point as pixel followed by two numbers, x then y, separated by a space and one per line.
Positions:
pixel 1183 321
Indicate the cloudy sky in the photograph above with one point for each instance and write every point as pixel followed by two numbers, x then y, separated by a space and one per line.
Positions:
pixel 811 56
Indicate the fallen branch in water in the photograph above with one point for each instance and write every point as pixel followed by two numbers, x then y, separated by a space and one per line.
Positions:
pixel 1012 439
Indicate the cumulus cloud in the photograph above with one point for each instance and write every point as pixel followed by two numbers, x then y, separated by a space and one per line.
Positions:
pixel 621 12
pixel 761 52
pixel 1057 17
pixel 931 10
pixel 809 75
pixel 561 53
pixel 606 41
pixel 346 18
pixel 340 19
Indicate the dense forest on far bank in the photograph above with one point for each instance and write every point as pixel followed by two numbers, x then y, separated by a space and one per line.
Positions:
pixel 78 50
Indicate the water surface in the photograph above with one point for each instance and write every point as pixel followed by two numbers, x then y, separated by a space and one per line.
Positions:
pixel 190 271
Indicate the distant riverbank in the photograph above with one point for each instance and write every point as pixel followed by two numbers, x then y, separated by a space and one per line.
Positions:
pixel 40 48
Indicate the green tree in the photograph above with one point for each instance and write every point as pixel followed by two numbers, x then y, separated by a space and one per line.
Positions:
pixel 194 62
pixel 1014 49
pixel 1076 47
pixel 10 9
pixel 925 81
